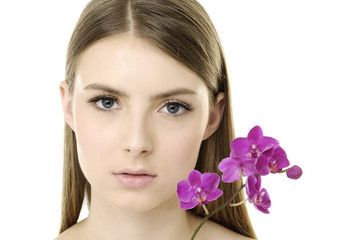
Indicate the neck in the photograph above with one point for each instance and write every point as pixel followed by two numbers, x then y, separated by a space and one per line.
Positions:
pixel 167 221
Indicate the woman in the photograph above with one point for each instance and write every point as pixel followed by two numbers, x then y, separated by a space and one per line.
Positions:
pixel 146 100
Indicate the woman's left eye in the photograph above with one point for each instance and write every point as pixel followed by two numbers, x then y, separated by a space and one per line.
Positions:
pixel 175 108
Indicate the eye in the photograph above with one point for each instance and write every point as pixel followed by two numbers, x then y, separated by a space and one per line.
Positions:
pixel 105 103
pixel 175 108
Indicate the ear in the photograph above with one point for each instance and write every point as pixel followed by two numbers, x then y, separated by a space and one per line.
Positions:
pixel 67 103
pixel 215 116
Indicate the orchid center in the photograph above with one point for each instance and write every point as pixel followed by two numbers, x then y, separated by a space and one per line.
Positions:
pixel 200 195
pixel 254 151
pixel 273 166
pixel 259 198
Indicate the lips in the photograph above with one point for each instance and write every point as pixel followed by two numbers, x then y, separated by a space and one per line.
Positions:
pixel 135 172
pixel 135 178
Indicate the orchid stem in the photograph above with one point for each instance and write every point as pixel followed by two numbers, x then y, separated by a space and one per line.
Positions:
pixel 205 209
pixel 239 203
pixel 285 170
pixel 216 210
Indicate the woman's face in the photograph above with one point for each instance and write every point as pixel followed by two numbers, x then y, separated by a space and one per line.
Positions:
pixel 139 117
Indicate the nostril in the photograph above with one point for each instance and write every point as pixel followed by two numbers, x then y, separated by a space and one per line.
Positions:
pixel 136 152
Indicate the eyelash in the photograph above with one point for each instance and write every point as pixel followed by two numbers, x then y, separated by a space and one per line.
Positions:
pixel 187 107
pixel 181 103
pixel 95 99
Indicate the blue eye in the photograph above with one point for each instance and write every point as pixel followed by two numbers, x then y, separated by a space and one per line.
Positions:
pixel 105 103
pixel 175 108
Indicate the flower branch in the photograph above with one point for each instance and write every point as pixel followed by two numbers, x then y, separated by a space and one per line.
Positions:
pixel 218 209
pixel 253 157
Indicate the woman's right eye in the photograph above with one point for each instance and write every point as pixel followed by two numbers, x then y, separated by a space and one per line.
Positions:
pixel 105 103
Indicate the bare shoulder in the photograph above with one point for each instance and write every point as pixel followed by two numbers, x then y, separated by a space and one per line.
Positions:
pixel 212 230
pixel 217 231
pixel 71 233
pixel 65 235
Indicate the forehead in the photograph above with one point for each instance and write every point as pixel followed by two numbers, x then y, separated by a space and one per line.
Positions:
pixel 132 64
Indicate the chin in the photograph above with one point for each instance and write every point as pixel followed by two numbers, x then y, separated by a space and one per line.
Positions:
pixel 135 202
pixel 141 203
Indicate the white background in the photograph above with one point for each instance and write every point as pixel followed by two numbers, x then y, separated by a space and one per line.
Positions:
pixel 295 69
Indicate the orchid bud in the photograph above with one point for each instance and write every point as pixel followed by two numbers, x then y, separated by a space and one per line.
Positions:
pixel 295 172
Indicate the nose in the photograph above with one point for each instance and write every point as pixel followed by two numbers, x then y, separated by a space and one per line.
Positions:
pixel 137 137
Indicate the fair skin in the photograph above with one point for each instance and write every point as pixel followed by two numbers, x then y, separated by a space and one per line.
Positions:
pixel 155 123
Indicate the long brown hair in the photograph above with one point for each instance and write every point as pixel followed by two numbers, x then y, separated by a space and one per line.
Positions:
pixel 182 29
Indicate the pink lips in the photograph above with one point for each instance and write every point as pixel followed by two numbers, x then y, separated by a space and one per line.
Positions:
pixel 134 178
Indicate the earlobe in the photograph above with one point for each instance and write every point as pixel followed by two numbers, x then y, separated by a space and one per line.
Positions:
pixel 215 116
pixel 66 102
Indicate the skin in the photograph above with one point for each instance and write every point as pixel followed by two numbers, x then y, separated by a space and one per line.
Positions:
pixel 138 131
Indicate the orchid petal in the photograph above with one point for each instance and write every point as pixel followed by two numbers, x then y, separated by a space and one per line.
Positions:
pixel 262 165
pixel 188 205
pixel 258 183
pixel 255 134
pixel 231 175
pixel 279 151
pixel 194 178
pixel 282 161
pixel 184 191
pixel 266 201
pixel 239 158
pixel 210 182
pixel 266 143
pixel 249 168
pixel 214 195
pixel 261 208
pixel 230 169
pixel 251 190
pixel 226 163
pixel 240 146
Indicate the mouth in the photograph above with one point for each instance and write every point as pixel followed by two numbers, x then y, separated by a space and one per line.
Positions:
pixel 135 178
pixel 140 172
pixel 136 174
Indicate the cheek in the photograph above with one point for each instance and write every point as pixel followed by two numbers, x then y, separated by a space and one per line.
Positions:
pixel 182 142
pixel 180 151
pixel 91 143
pixel 183 148
pixel 94 143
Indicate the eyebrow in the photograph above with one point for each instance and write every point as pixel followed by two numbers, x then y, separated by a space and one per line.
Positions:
pixel 120 93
